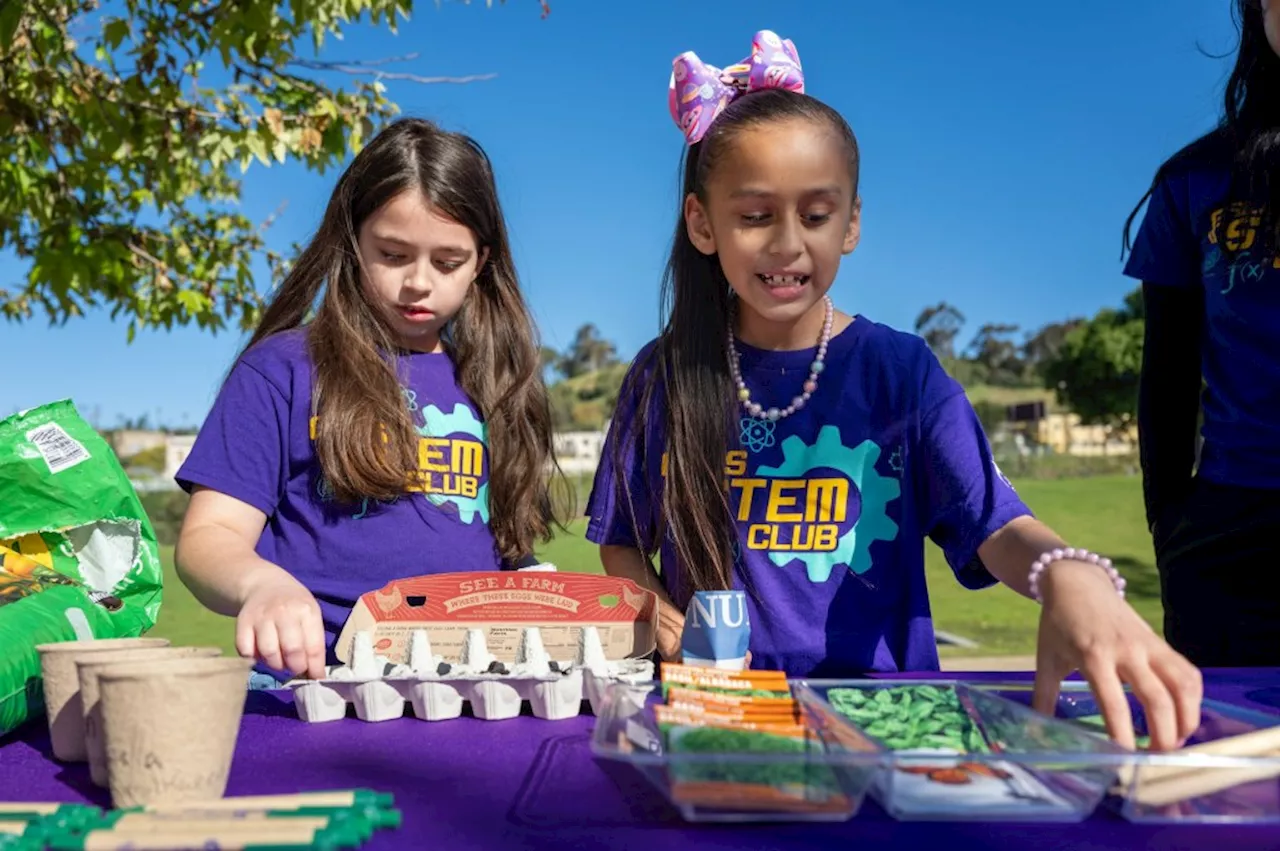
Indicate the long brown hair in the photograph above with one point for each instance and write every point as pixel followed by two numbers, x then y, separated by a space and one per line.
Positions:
pixel 365 441
pixel 685 384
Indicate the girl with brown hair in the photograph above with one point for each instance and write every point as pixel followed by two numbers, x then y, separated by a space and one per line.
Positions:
pixel 403 430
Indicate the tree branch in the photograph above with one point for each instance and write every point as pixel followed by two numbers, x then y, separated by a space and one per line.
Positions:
pixel 363 69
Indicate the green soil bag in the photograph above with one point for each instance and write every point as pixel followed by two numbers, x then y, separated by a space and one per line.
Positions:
pixel 78 556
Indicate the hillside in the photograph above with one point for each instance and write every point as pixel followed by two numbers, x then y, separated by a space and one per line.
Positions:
pixel 585 402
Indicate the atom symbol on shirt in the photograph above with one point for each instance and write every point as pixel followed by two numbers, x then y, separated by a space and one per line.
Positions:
pixel 757 434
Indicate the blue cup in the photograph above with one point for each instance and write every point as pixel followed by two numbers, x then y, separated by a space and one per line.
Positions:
pixel 717 630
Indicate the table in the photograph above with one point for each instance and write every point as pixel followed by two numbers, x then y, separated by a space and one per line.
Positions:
pixel 532 784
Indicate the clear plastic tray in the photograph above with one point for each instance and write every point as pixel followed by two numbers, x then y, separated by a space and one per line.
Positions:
pixel 960 753
pixel 827 783
pixel 1211 789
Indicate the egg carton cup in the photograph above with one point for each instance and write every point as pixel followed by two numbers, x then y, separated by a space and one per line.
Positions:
pixel 437 690
pixel 628 671
pixel 438 698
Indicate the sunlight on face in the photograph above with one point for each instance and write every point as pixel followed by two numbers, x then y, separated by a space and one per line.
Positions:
pixel 1271 23
pixel 419 266
pixel 780 212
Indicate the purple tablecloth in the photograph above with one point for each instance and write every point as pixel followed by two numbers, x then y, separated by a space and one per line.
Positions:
pixel 526 783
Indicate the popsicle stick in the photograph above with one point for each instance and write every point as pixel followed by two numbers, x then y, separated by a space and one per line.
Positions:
pixel 1254 743
pixel 40 808
pixel 336 798
pixel 106 840
pixel 138 823
pixel 263 835
pixel 1201 781
pixel 13 828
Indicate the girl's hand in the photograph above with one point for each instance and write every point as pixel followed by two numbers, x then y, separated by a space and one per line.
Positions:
pixel 280 624
pixel 1086 626
pixel 670 631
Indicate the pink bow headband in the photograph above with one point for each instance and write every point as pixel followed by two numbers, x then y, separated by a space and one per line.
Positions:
pixel 699 92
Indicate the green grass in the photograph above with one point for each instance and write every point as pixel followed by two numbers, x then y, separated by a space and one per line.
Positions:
pixel 1009 395
pixel 1104 514
pixel 183 620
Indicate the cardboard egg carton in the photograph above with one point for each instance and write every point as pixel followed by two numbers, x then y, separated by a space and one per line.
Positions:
pixel 503 636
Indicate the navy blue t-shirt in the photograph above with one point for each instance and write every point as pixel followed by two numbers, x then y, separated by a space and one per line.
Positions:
pixel 1240 357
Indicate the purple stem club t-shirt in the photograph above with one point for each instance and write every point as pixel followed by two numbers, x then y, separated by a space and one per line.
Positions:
pixel 1240 285
pixel 257 446
pixel 833 503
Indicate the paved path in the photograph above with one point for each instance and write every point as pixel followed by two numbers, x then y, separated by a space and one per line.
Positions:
pixel 989 663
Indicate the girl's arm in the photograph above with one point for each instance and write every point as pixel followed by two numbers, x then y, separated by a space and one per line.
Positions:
pixel 1169 397
pixel 628 563
pixel 277 619
pixel 1085 625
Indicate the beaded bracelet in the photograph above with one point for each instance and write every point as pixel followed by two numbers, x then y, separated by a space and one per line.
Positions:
pixel 1073 554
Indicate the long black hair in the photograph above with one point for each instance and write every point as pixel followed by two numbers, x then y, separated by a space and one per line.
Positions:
pixel 685 383
pixel 1247 135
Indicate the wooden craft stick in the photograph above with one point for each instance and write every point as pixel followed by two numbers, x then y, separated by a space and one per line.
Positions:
pixel 1261 742
pixel 1201 780
pixel 141 823
pixel 106 840
pixel 12 828
pixel 336 798
pixel 34 808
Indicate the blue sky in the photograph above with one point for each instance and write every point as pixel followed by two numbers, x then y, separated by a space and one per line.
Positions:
pixel 1003 145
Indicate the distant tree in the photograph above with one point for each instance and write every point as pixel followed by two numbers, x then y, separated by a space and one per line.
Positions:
pixel 1095 371
pixel 993 416
pixel 589 352
pixel 562 402
pixel 1044 345
pixel 939 325
pixel 138 423
pixel 993 348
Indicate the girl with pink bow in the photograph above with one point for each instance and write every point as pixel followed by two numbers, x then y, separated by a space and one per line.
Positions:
pixel 768 442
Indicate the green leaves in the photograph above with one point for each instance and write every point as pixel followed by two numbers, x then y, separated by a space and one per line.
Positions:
pixel 10 15
pixel 1096 370
pixel 114 31
pixel 120 176
pixel 910 717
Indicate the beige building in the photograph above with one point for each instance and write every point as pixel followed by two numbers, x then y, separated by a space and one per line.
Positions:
pixel 128 442
pixel 1064 434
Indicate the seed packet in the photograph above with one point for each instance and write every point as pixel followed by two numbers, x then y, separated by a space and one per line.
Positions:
pixel 750 707
pixel 751 683
pixel 690 714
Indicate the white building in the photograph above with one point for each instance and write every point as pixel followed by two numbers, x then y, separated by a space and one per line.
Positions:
pixel 176 449
pixel 578 452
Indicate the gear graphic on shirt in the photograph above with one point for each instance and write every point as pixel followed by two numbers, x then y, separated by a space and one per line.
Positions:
pixel 895 461
pixel 462 421
pixel 876 491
